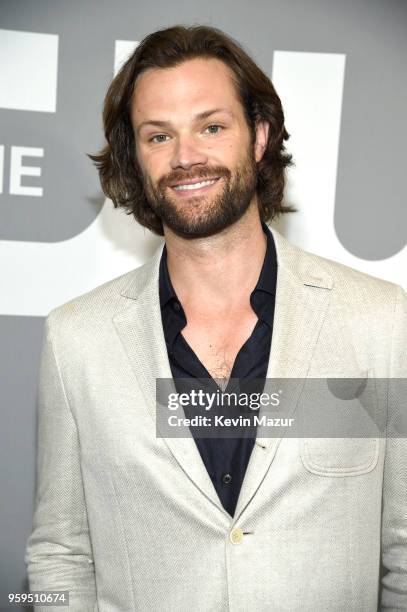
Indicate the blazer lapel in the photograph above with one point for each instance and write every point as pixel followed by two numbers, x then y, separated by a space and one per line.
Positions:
pixel 141 332
pixel 302 298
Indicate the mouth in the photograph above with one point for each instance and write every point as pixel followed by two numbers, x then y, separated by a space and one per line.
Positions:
pixel 194 185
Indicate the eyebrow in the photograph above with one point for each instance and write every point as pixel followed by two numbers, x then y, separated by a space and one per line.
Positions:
pixel 198 117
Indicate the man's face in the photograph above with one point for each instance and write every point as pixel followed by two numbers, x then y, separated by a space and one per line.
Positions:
pixel 194 146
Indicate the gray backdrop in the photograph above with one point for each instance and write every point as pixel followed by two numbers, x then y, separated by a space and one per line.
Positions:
pixel 370 213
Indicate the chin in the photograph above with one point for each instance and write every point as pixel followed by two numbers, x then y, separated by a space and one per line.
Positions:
pixel 204 229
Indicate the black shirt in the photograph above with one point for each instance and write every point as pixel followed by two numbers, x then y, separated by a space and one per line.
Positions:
pixel 225 459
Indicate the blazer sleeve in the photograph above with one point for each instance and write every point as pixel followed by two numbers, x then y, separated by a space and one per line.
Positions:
pixel 394 516
pixel 59 553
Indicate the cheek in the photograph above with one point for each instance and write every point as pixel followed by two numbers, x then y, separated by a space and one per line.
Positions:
pixel 222 152
pixel 156 162
pixel 230 148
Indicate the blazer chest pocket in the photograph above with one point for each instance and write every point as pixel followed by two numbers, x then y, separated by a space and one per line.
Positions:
pixel 340 426
pixel 340 456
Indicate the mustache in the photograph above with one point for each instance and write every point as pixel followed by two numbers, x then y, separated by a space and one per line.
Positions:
pixel 204 172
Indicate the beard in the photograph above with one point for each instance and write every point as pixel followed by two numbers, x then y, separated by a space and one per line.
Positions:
pixel 204 215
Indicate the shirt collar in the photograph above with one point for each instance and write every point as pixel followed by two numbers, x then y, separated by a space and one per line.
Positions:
pixel 167 292
pixel 268 275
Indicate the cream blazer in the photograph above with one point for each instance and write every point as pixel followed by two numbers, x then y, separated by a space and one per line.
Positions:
pixel 127 521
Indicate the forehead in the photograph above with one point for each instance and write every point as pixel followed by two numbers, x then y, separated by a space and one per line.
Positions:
pixel 194 85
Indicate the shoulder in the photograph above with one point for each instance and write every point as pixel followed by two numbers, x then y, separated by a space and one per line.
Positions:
pixel 363 292
pixel 353 283
pixel 89 312
pixel 364 312
pixel 349 286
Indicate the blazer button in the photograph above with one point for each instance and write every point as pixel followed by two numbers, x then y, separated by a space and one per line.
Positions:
pixel 236 535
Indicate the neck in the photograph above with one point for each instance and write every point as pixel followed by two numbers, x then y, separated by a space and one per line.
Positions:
pixel 216 270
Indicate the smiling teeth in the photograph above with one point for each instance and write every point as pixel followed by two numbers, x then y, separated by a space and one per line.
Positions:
pixel 194 185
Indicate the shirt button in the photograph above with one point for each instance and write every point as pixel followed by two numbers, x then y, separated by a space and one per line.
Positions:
pixel 226 478
pixel 177 306
pixel 236 535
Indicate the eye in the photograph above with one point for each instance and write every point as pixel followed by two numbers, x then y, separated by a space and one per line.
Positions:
pixel 158 138
pixel 214 128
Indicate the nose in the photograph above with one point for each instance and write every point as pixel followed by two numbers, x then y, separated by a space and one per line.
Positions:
pixel 187 152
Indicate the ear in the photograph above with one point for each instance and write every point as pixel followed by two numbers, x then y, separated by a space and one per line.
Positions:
pixel 262 134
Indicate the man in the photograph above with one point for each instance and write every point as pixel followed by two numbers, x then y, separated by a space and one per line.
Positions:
pixel 128 520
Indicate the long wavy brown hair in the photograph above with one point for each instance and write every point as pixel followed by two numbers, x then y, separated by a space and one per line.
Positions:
pixel 120 175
